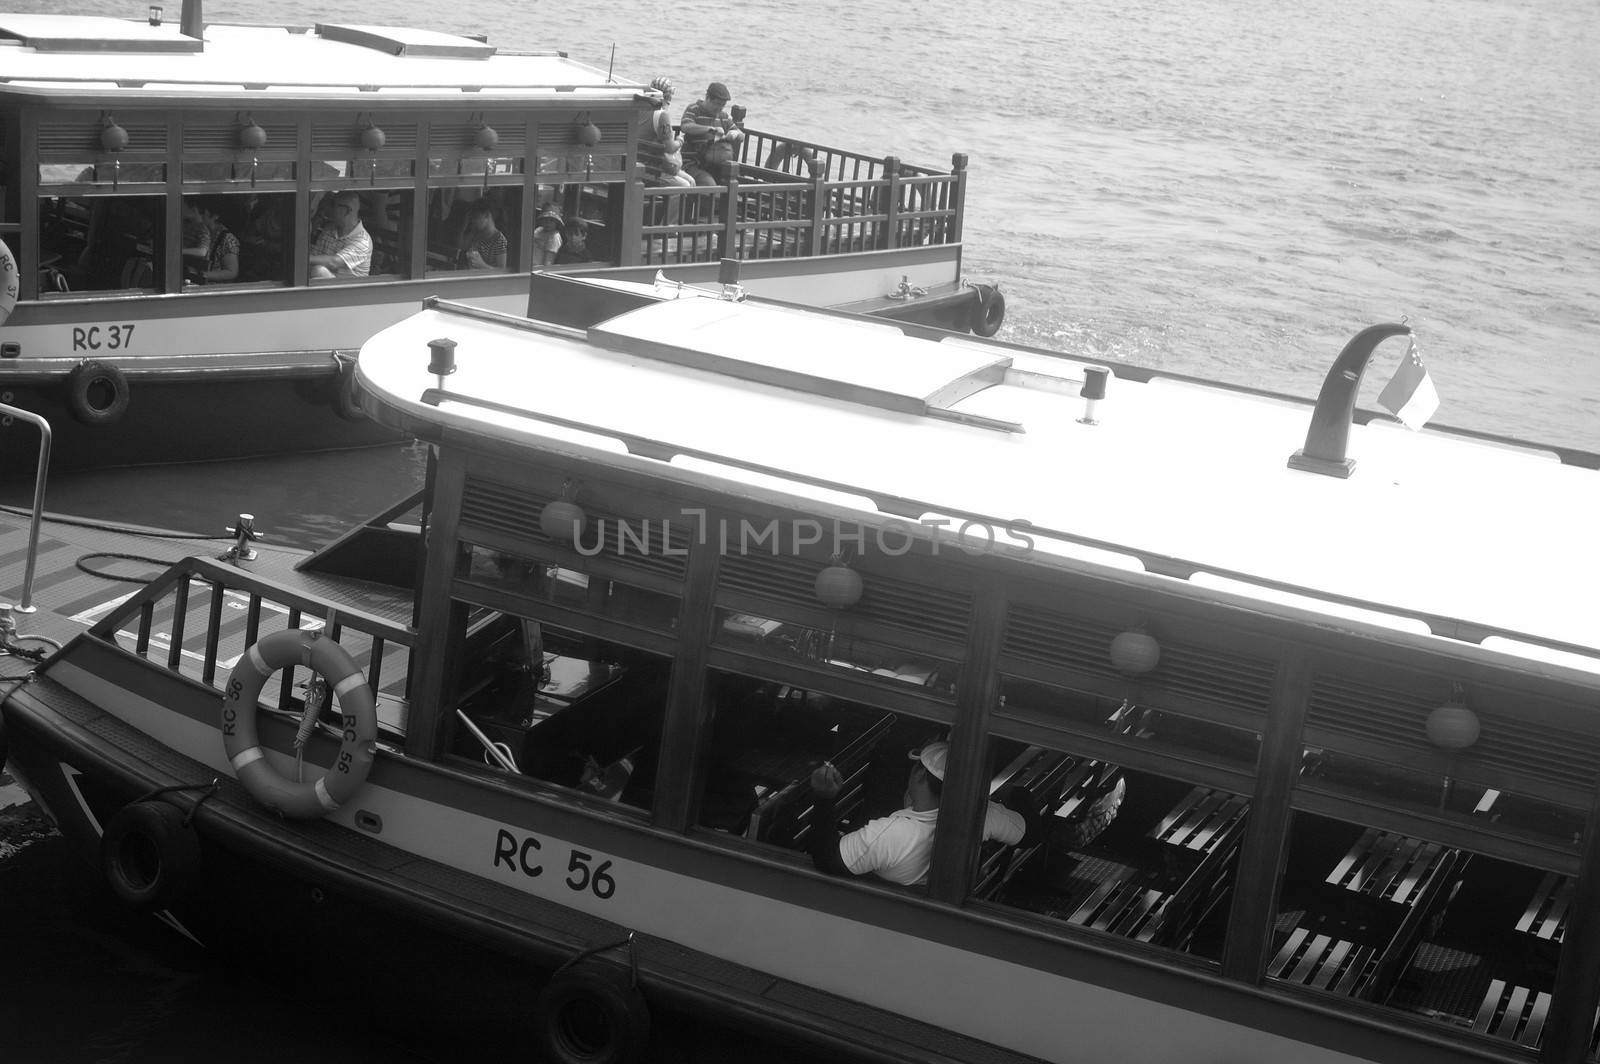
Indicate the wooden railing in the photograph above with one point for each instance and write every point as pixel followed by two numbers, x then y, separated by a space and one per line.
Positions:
pixel 791 199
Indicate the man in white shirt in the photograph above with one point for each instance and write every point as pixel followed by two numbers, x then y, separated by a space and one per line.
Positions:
pixel 899 847
pixel 344 248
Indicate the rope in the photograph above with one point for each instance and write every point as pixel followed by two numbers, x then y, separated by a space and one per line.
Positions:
pixel 633 961
pixel 162 563
pixel 209 788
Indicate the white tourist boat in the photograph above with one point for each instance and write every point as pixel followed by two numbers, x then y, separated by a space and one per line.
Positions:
pixel 110 129
pixel 1308 706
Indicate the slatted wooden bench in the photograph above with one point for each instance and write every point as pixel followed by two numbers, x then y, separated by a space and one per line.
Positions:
pixel 1385 888
pixel 1324 962
pixel 1515 1013
pixel 1059 784
pixel 1545 918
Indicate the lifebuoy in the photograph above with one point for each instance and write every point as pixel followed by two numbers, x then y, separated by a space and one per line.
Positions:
pixel 150 856
pixel 591 1015
pixel 8 282
pixel 357 714
pixel 97 393
pixel 988 311
pixel 345 403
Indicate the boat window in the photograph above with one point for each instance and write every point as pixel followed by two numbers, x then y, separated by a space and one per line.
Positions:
pixel 571 589
pixel 765 739
pixel 1461 939
pixel 386 217
pixel 456 226
pixel 258 222
pixel 821 644
pixel 539 701
pixel 1187 735
pixel 1426 788
pixel 577 223
pixel 1133 854
pixel 239 169
pixel 109 175
pixel 101 243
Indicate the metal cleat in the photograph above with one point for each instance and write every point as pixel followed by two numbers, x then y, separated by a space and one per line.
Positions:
pixel 245 531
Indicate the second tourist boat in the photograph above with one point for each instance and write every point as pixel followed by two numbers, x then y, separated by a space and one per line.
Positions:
pixel 126 147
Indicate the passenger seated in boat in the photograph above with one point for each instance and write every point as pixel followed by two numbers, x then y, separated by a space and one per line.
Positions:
pixel 342 248
pixel 210 252
pixel 899 847
pixel 660 148
pixel 483 245
pixel 548 234
pixel 710 139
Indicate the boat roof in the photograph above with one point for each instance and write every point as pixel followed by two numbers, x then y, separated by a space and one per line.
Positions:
pixel 90 55
pixel 1432 531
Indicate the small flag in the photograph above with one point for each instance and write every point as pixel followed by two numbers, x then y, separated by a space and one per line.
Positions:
pixel 1410 395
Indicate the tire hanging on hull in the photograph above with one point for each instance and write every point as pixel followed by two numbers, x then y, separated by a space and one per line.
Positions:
pixel 591 1015
pixel 988 310
pixel 97 393
pixel 150 855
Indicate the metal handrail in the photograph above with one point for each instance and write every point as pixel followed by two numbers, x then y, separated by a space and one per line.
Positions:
pixel 26 604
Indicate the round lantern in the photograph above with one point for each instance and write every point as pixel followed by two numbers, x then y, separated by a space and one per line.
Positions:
pixel 486 138
pixel 562 520
pixel 1452 726
pixel 372 138
pixel 1135 652
pixel 589 134
pixel 252 137
pixel 838 587
pixel 113 137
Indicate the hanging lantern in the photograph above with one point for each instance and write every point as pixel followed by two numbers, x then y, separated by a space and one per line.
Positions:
pixel 113 138
pixel 251 136
pixel 1135 652
pixel 562 520
pixel 372 137
pixel 589 134
pixel 486 138
pixel 838 586
pixel 1453 726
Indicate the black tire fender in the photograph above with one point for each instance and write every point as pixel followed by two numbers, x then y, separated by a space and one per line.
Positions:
pixel 988 311
pixel 591 1015
pixel 97 393
pixel 150 855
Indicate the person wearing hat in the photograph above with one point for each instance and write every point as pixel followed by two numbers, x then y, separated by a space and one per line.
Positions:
pixel 661 149
pixel 710 139
pixel 899 847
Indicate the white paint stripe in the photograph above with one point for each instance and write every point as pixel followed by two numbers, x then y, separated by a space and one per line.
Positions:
pixel 245 757
pixel 257 662
pixel 348 684
pixel 321 789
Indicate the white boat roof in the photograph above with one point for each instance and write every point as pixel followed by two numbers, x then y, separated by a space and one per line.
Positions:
pixel 1429 525
pixel 91 55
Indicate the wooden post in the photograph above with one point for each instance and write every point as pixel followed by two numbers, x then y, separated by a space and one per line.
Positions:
pixel 730 220
pixel 819 210
pixel 958 196
pixel 630 237
pixel 891 208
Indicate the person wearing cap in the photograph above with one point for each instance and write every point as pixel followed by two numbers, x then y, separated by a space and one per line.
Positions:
pixel 899 847
pixel 708 132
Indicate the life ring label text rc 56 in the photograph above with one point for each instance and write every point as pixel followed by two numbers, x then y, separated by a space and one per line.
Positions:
pixel 524 854
pixel 102 337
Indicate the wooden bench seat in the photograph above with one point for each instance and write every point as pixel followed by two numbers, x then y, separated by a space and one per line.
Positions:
pixel 1061 787
pixel 1324 962
pixel 1379 898
pixel 1515 1013
pixel 1545 917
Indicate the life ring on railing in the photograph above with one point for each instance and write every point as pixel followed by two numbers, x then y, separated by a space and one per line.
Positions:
pixel 8 282
pixel 591 1015
pixel 97 393
pixel 988 311
pixel 357 714
pixel 345 403
pixel 150 855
